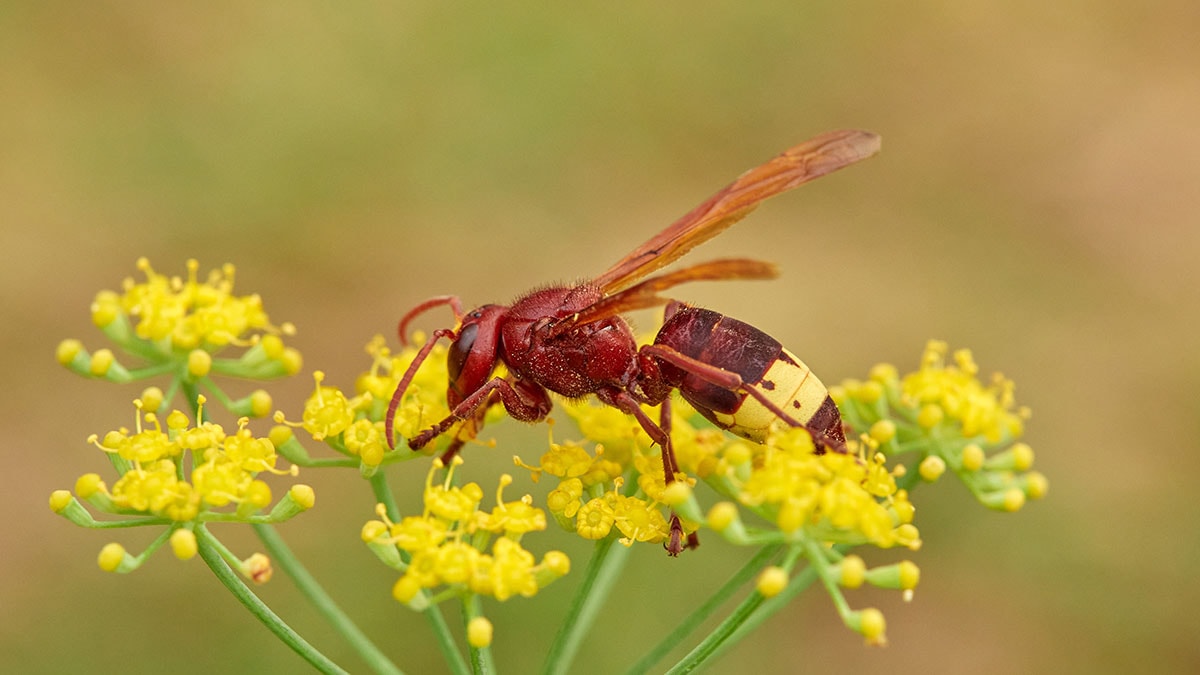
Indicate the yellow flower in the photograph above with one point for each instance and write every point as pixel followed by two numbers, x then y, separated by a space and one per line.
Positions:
pixel 512 518
pixel 955 420
pixel 981 409
pixel 836 497
pixel 158 481
pixel 595 519
pixel 448 543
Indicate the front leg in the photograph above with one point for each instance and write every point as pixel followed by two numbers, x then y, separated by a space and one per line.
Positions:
pixel 525 401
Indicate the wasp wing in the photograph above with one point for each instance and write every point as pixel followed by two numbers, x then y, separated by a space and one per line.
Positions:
pixel 812 159
pixel 645 294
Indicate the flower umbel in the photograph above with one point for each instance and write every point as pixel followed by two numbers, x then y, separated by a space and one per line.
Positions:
pixel 949 418
pixel 177 327
pixel 180 476
pixel 454 544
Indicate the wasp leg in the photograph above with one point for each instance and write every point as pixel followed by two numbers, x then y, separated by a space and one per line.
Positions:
pixel 389 420
pixel 526 401
pixel 625 402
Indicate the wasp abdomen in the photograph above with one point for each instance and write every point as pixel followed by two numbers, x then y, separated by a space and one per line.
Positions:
pixel 760 361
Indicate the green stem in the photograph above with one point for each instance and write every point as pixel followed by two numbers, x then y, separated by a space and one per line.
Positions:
pixel 211 556
pixel 701 614
pixel 719 638
pixel 152 371
pixel 324 604
pixel 769 607
pixel 711 644
pixel 190 392
pixel 117 524
pixel 437 622
pixel 603 570
pixel 481 657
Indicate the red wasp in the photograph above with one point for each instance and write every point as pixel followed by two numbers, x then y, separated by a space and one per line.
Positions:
pixel 573 341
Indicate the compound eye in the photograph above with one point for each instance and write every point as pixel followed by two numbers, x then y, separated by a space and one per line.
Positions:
pixel 460 349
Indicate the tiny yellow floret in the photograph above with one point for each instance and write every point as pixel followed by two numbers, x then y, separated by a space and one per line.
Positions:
pixel 292 361
pixel 932 468
pixel 722 515
pixel 260 403
pixel 257 568
pixel 67 351
pixel 280 434
pixel 1014 499
pixel 372 530
pixel 102 360
pixel 111 557
pixel 183 543
pixel 303 495
pixel 930 416
pixel 853 571
pixel 405 589
pixel 884 373
pixel 479 632
pixel 151 398
pixel 60 500
pixel 910 575
pixel 1036 485
pixel 973 457
pixel 883 431
pixel 772 581
pixel 676 493
pixel 88 484
pixel 272 346
pixel 199 362
pixel 872 625
pixel 1022 456
pixel 869 392
pixel 557 562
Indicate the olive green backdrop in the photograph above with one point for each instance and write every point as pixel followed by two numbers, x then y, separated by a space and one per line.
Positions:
pixel 1036 201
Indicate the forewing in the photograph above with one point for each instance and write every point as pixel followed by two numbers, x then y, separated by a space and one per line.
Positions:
pixel 646 294
pixel 812 159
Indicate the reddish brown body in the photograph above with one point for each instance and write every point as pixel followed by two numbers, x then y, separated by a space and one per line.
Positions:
pixel 572 340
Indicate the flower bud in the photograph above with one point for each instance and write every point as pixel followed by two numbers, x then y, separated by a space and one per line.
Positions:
pixel 772 581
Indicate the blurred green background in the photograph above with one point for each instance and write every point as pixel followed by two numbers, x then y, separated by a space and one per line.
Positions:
pixel 1036 201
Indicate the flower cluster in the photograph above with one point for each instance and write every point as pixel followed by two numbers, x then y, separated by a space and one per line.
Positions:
pixel 180 475
pixel 171 471
pixel 353 424
pixel 949 419
pixel 806 501
pixel 177 327
pixel 448 545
